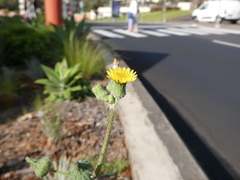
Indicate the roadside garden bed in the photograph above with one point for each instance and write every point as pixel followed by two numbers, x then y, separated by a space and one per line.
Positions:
pixel 61 119
pixel 84 126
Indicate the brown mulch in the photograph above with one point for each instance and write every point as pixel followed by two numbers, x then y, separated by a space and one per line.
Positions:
pixel 84 127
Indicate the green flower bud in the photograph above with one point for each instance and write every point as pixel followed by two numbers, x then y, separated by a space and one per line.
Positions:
pixel 81 170
pixel 116 89
pixel 110 98
pixel 41 166
pixel 99 92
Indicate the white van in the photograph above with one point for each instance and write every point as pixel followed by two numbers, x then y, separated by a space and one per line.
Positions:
pixel 216 11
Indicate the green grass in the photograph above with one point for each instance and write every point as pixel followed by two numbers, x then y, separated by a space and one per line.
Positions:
pixel 154 16
pixel 158 15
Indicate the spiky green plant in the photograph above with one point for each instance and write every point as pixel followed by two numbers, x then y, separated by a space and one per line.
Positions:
pixel 72 31
pixel 87 54
pixel 38 102
pixel 76 48
pixel 62 82
pixel 63 165
pixel 52 127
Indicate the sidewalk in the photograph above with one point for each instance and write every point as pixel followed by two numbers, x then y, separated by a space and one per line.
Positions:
pixel 156 151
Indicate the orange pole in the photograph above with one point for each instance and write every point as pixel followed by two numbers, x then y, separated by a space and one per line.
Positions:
pixel 53 12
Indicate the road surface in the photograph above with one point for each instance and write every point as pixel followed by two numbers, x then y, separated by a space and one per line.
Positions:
pixel 193 74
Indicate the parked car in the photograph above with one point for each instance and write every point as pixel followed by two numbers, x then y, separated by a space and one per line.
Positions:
pixel 217 11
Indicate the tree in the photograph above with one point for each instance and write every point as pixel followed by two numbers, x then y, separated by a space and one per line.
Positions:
pixel 11 5
pixel 94 4
pixel 39 4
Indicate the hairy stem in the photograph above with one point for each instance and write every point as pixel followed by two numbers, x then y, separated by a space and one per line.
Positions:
pixel 60 172
pixel 106 141
pixel 31 161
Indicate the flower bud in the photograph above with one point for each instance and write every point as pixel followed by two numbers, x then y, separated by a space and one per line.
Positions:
pixel 110 98
pixel 41 166
pixel 116 89
pixel 99 92
pixel 81 170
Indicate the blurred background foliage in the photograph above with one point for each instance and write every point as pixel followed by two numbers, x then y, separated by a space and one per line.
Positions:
pixel 25 46
pixel 12 5
pixel 21 41
pixel 89 5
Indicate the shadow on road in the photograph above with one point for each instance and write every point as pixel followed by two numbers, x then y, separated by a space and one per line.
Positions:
pixel 204 156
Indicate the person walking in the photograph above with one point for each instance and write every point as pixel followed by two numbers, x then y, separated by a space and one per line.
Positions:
pixel 132 16
pixel 30 12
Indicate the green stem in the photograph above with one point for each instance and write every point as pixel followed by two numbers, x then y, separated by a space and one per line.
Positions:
pixel 31 161
pixel 106 141
pixel 60 172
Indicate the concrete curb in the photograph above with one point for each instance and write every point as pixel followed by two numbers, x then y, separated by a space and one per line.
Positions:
pixel 149 157
pixel 156 151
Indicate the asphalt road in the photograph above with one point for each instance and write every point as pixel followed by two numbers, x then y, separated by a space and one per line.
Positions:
pixel 194 78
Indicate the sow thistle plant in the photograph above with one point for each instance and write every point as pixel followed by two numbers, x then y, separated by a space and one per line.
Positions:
pixel 110 95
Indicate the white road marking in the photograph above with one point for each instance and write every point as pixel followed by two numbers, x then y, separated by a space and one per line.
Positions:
pixel 224 30
pixel 173 32
pixel 226 43
pixel 190 30
pixel 133 34
pixel 153 33
pixel 164 32
pixel 107 33
pixel 211 30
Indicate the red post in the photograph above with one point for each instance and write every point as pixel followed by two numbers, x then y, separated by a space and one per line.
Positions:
pixel 53 12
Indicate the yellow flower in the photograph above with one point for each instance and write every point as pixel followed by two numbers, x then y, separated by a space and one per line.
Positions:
pixel 122 75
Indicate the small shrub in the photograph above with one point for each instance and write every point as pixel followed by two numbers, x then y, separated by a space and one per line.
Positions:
pixel 38 102
pixel 77 49
pixel 24 42
pixel 9 85
pixel 63 83
pixel 72 31
pixel 51 114
pixel 34 71
pixel 52 127
pixel 88 55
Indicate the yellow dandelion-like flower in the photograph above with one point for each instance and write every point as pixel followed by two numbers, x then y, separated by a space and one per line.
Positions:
pixel 122 75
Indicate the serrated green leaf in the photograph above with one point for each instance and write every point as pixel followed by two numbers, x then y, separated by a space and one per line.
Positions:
pixel 75 79
pixel 66 94
pixel 81 170
pixel 66 74
pixel 51 74
pixel 58 70
pixel 51 98
pixel 79 76
pixel 76 88
pixel 41 81
pixel 61 68
pixel 75 69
